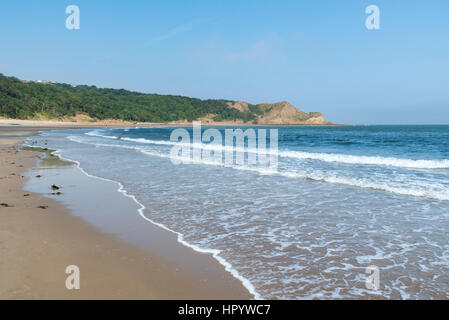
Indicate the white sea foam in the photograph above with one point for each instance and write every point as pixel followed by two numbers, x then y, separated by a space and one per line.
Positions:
pixel 324 157
pixel 180 237
pixel 291 230
pixel 424 190
pixel 368 160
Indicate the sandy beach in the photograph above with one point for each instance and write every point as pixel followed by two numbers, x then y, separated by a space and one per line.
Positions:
pixel 48 124
pixel 39 238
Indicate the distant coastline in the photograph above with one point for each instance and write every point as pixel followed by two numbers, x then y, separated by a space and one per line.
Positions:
pixel 60 102
pixel 8 122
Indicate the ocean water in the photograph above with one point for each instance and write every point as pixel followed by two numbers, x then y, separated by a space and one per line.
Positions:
pixel 340 200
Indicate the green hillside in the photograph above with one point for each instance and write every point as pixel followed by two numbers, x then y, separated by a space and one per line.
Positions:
pixel 28 100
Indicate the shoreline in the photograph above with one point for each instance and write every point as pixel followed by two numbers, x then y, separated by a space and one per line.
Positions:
pixel 110 267
pixel 53 124
pixel 179 236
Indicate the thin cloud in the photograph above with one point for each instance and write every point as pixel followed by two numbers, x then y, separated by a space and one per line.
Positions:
pixel 260 51
pixel 180 30
pixel 176 31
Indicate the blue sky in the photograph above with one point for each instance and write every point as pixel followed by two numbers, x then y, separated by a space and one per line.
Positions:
pixel 318 55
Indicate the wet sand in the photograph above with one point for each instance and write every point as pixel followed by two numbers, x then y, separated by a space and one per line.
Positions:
pixel 40 236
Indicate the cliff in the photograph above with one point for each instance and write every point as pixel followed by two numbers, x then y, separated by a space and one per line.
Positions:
pixel 281 113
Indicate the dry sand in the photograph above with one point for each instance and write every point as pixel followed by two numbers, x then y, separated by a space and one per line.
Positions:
pixel 36 246
pixel 71 124
pixel 48 124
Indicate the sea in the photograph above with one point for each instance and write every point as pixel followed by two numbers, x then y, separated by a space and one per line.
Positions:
pixel 348 212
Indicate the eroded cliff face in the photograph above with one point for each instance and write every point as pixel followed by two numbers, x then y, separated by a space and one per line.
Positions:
pixel 281 113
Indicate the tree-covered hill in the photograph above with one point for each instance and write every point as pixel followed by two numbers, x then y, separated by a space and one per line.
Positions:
pixel 48 100
pixel 26 100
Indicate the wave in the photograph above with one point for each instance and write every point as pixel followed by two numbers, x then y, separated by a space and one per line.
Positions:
pixel 324 157
pixel 180 237
pixel 368 160
pixel 420 191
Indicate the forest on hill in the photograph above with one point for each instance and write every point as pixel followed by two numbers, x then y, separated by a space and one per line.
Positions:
pixel 28 100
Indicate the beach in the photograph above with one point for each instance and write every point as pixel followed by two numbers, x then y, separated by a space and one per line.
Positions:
pixel 237 152
pixel 341 199
pixel 60 124
pixel 39 238
pixel 142 226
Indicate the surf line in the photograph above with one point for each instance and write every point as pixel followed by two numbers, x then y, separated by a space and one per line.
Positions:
pixel 180 237
pixel 214 139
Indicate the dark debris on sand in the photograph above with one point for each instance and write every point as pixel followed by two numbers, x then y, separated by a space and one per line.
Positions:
pixel 5 205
